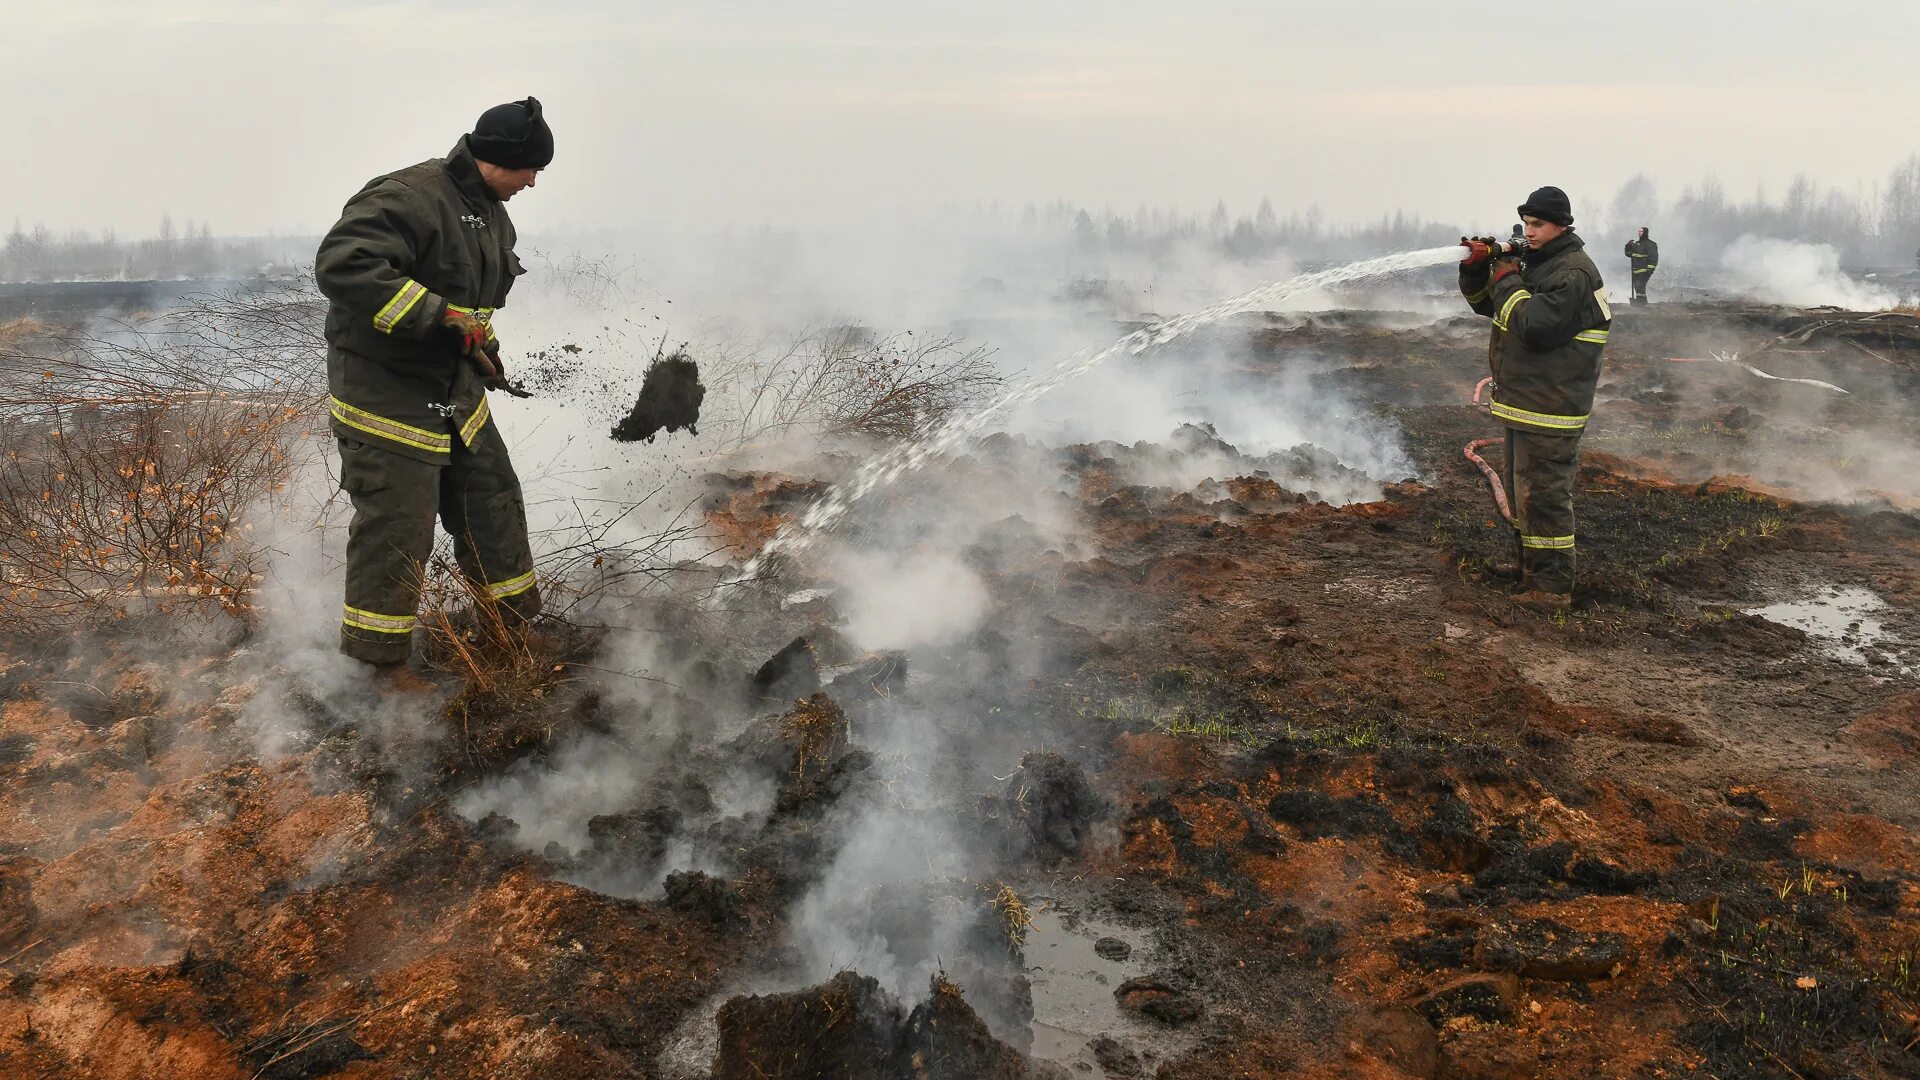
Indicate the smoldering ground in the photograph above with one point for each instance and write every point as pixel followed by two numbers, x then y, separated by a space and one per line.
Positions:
pixel 948 625
pixel 923 584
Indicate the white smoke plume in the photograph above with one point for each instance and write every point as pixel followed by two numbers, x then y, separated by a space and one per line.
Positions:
pixel 1788 272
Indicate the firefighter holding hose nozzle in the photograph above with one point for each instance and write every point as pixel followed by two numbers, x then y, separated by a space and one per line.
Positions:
pixel 1550 324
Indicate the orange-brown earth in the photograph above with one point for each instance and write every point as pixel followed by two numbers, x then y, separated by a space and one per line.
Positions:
pixel 1376 820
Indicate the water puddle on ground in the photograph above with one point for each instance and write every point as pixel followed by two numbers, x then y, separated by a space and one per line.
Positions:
pixel 1379 590
pixel 1845 623
pixel 1073 971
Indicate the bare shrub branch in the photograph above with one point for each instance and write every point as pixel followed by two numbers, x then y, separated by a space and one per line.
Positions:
pixel 847 381
pixel 130 454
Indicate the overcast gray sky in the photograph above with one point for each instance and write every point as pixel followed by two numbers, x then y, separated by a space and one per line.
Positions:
pixel 267 114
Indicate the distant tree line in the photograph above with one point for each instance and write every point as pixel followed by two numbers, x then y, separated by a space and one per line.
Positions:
pixel 1877 226
pixel 182 252
pixel 1157 234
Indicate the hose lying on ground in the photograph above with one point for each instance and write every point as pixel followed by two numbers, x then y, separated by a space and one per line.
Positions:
pixel 1734 359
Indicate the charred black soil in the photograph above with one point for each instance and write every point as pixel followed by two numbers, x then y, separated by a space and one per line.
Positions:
pixel 1253 786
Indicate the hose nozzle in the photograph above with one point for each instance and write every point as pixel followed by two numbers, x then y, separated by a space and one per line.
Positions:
pixel 1482 248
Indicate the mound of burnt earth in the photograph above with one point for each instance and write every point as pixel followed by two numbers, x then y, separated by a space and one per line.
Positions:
pixel 1049 809
pixel 1142 478
pixel 744 510
pixel 803 756
pixel 694 893
pixel 634 842
pixel 670 398
pixel 795 748
pixel 793 672
pixel 850 1029
pixel 881 675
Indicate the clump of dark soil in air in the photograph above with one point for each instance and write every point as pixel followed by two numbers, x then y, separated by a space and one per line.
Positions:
pixel 850 1029
pixel 669 400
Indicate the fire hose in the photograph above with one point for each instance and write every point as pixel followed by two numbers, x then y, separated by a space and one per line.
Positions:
pixel 1473 448
pixel 1493 475
pixel 1481 249
pixel 1734 360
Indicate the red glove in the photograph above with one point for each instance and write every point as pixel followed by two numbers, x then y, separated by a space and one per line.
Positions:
pixel 1503 267
pixel 469 328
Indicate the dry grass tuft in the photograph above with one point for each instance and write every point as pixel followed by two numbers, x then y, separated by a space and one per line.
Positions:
pixel 818 730
pixel 1015 914
pixel 510 669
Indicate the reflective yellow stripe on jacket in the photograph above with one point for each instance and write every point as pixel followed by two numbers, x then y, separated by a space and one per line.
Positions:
pixel 1526 418
pixel 395 431
pixel 1506 309
pixel 403 301
pixel 475 422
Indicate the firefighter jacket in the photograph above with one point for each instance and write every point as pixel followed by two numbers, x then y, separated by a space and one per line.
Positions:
pixel 1550 325
pixel 1644 254
pixel 407 247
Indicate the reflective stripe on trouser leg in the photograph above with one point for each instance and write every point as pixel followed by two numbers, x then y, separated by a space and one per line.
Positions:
pixel 387 545
pixel 1544 467
pixel 482 507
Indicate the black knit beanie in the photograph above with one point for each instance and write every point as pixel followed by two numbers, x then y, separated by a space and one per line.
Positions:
pixel 513 136
pixel 1549 204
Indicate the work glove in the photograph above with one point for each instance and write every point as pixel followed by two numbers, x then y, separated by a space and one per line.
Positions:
pixel 1502 267
pixel 495 372
pixel 471 330
pixel 1479 250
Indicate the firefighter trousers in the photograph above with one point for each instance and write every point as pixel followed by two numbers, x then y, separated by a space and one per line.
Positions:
pixel 1640 279
pixel 396 498
pixel 1539 480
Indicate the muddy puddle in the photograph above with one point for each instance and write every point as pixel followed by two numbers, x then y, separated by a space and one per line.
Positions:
pixel 1845 623
pixel 1378 590
pixel 1074 963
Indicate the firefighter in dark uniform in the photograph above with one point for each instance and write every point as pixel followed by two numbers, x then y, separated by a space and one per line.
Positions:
pixel 1644 256
pixel 414 270
pixel 1550 324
